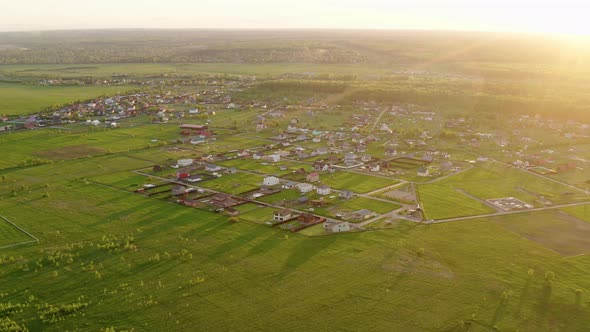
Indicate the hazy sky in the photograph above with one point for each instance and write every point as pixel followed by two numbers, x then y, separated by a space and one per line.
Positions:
pixel 564 16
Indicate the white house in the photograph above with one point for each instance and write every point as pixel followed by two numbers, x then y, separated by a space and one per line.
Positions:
pixel 323 190
pixel 184 162
pixel 282 215
pixel 275 157
pixel 336 226
pixel 305 187
pixel 270 181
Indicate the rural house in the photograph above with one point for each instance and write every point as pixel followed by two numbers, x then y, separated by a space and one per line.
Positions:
pixel 270 181
pixel 323 190
pixel 282 215
pixel 305 187
pixel 312 177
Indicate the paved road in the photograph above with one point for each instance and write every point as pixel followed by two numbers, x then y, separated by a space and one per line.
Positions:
pixel 378 119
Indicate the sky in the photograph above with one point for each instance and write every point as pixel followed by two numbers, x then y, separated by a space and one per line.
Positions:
pixel 531 16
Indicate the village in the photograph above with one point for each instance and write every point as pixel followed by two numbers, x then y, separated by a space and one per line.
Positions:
pixel 305 174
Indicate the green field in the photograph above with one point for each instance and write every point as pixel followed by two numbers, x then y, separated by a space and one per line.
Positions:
pixel 356 182
pixel 493 180
pixel 10 235
pixel 54 145
pixel 441 201
pixel 555 230
pixel 466 268
pixel 23 99
pixel 255 213
pixel 234 184
pixel 359 203
pixel 580 211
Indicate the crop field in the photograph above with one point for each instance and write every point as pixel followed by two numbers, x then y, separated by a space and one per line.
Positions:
pixel 555 230
pixel 354 181
pixel 23 99
pixel 442 201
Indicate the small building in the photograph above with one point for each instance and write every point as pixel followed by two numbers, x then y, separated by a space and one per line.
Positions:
pixel 184 162
pixel 178 190
pixel 346 194
pixel 305 187
pixel 323 190
pixel 313 177
pixel 288 184
pixel 271 181
pixel 336 226
pixel 231 212
pixel 423 171
pixel 275 157
pixel 282 215
pixel 350 159
pixel 363 214
pixel 212 168
pixel 366 158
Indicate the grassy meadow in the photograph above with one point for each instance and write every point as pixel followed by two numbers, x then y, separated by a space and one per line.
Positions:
pixel 17 98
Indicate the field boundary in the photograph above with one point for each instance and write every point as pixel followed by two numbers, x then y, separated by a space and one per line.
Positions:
pixel 35 239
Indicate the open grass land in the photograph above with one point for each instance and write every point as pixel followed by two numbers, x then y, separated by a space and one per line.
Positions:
pixel 150 69
pixel 56 145
pixel 18 98
pixel 359 183
pixel 263 167
pixel 10 235
pixel 441 201
pixel 581 211
pixel 556 230
pixel 284 195
pixel 359 203
pixel 234 184
pixel 102 247
pixel 125 180
pixel 255 213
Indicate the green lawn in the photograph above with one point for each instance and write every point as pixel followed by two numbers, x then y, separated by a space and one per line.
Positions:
pixel 18 98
